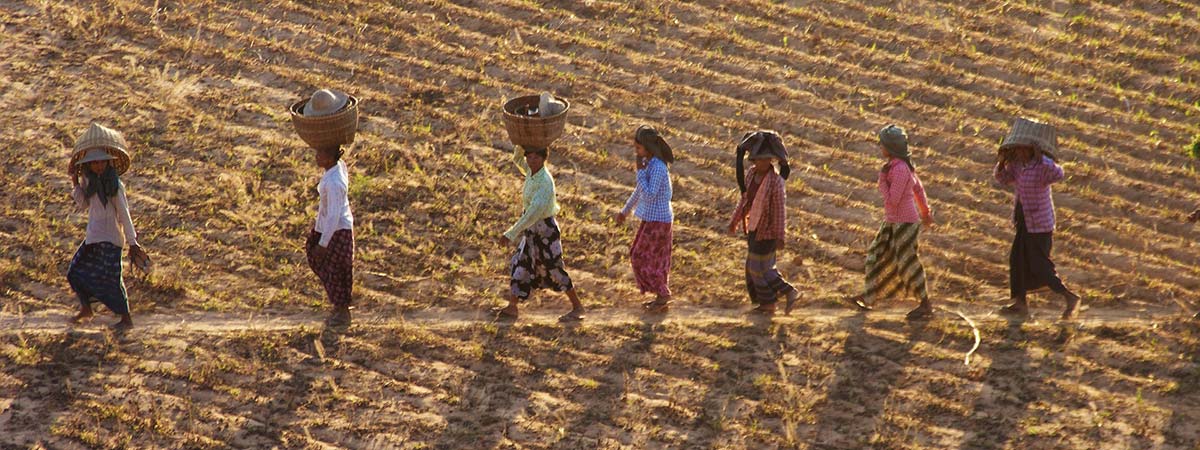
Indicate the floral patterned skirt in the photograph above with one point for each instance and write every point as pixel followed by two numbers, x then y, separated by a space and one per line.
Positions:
pixel 538 262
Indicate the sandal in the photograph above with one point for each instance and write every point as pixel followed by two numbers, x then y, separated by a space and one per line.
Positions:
pixel 503 314
pixel 657 308
pixel 656 303
pixel 921 313
pixel 1015 310
pixel 858 303
pixel 761 310
pixel 571 316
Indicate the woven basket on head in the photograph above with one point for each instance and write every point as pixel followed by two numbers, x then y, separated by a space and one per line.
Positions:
pixel 1031 133
pixel 111 141
pixel 531 131
pixel 325 132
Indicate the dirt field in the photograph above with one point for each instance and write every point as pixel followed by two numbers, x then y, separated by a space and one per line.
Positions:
pixel 229 351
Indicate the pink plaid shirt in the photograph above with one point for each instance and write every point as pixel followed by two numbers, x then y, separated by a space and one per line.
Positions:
pixel 902 193
pixel 1032 186
pixel 771 198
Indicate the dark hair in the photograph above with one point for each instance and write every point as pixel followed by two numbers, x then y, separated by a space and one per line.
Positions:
pixel 539 150
pixel 336 152
pixel 650 138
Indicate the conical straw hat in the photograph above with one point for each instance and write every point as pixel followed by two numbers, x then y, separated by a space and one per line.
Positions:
pixel 1028 132
pixel 99 136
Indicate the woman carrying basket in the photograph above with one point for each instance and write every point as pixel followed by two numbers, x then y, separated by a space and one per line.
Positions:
pixel 538 261
pixel 1027 163
pixel 650 254
pixel 893 266
pixel 330 244
pixel 100 157
pixel 761 216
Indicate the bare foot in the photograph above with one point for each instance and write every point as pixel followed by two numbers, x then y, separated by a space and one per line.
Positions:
pixel 340 317
pixel 84 315
pixel 1072 303
pixel 792 297
pixel 124 325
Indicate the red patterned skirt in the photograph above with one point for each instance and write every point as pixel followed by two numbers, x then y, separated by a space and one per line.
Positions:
pixel 650 256
pixel 336 269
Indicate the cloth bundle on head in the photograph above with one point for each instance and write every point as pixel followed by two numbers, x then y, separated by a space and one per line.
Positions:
pixel 325 102
pixel 650 138
pixel 549 106
pixel 1031 133
pixel 895 141
pixel 761 144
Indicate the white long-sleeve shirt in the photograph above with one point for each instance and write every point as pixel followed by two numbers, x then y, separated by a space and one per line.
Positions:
pixel 334 211
pixel 106 223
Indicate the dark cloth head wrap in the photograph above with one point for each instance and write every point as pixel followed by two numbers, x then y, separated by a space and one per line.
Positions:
pixel 895 140
pixel 105 185
pixel 654 142
pixel 761 144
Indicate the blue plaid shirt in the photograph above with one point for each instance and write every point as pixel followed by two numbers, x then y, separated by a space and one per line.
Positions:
pixel 652 197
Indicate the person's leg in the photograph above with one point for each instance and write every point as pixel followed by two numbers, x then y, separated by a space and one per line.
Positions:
pixel 576 306
pixel 1045 243
pixel 913 272
pixel 657 264
pixel 882 278
pixel 768 283
pixel 340 267
pixel 522 280
pixel 108 284
pixel 1017 268
pixel 76 279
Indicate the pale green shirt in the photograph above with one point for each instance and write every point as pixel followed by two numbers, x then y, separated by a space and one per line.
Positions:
pixel 537 197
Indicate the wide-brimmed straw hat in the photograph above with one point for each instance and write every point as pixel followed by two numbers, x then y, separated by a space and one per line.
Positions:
pixel 325 102
pixel 1031 133
pixel 98 141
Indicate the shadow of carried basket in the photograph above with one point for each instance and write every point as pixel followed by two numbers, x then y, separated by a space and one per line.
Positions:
pixel 324 132
pixel 533 131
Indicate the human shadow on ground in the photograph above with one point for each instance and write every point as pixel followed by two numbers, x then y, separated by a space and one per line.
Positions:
pixel 613 387
pixel 870 369
pixel 737 369
pixel 1002 403
pixel 297 391
pixel 50 388
pixel 484 413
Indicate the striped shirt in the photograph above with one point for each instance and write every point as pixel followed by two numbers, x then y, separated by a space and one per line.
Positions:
pixel 1031 182
pixel 652 197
